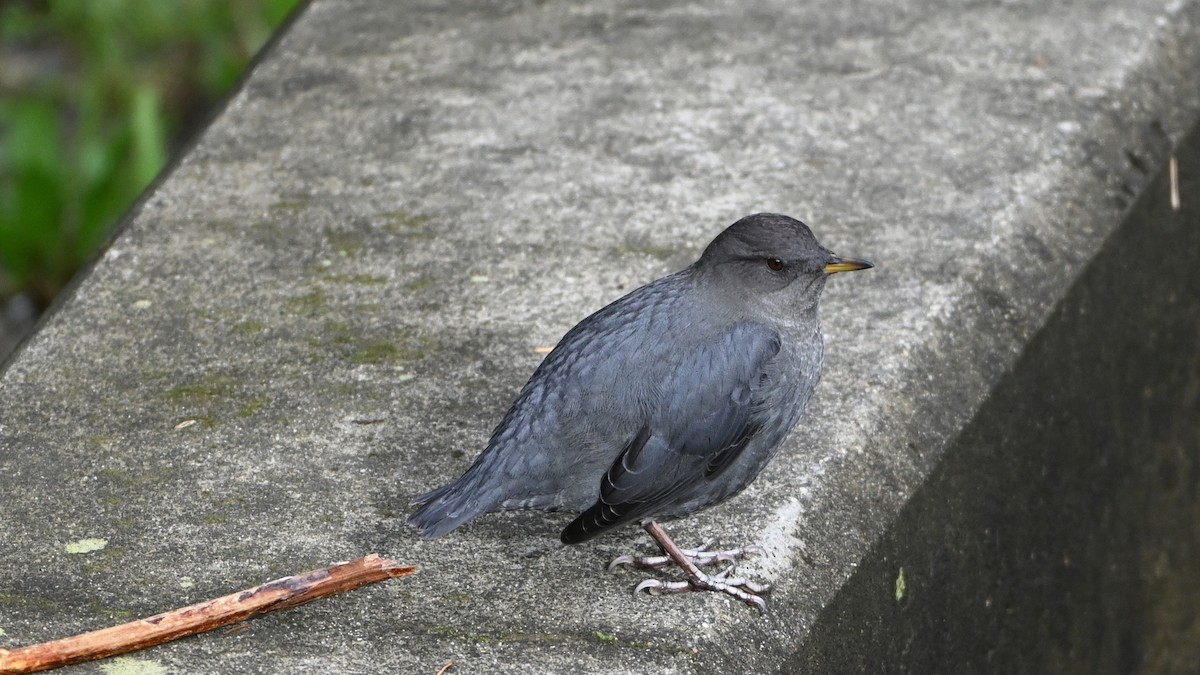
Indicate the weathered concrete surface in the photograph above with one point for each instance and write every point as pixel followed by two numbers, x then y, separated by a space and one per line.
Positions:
pixel 1061 531
pixel 345 280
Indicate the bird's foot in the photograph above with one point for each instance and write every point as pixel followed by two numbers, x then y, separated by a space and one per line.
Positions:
pixel 749 592
pixel 700 556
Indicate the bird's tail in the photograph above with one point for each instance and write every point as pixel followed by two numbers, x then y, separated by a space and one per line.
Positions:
pixel 450 506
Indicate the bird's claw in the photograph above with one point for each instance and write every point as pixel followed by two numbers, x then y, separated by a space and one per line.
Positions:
pixel 621 560
pixel 699 556
pixel 689 562
pixel 749 592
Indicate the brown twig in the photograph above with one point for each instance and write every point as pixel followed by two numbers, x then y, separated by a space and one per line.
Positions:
pixel 446 668
pixel 273 595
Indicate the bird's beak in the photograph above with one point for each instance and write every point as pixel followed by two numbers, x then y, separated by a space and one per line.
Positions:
pixel 837 264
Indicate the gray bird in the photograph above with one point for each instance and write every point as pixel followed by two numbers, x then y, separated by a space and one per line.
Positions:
pixel 669 400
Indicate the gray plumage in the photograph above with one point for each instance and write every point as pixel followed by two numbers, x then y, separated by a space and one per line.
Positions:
pixel 667 401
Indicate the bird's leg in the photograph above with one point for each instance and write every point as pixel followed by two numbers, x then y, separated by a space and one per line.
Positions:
pixel 745 590
pixel 700 557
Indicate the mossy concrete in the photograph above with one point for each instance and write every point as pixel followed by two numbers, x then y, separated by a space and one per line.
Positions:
pixel 330 299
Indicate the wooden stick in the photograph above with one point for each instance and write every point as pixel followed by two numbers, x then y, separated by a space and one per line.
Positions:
pixel 205 616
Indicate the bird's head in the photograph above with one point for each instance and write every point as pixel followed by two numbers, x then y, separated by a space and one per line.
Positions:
pixel 775 258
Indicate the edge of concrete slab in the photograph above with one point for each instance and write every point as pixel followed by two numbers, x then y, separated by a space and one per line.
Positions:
pixel 1059 532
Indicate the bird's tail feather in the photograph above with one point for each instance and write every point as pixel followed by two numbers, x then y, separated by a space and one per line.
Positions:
pixel 448 507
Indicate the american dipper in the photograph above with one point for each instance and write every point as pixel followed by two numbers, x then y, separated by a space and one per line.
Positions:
pixel 668 401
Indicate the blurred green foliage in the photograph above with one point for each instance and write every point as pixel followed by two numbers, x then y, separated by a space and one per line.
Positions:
pixel 94 96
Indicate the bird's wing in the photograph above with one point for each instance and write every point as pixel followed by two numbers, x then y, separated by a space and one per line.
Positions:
pixel 710 410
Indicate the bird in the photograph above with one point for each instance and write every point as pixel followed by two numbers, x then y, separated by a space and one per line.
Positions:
pixel 669 400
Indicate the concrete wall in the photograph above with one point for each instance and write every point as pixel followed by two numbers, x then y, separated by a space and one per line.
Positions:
pixel 1061 532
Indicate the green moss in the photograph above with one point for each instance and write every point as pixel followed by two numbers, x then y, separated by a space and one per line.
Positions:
pixel 338 331
pixel 408 225
pixel 450 632
pixel 113 475
pixel 104 561
pixel 408 347
pixel 418 285
pixel 99 440
pixel 333 333
pixel 248 327
pixel 347 243
pixel 215 519
pixel 356 279
pixel 400 222
pixel 24 601
pixel 344 340
pixel 309 304
pixel 207 420
pixel 251 407
pixel 210 388
pixel 194 394
pixel 108 611
pixel 376 354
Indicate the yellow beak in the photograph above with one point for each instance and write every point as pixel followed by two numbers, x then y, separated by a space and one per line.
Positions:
pixel 837 264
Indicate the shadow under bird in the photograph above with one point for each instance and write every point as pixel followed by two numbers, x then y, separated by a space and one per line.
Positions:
pixel 670 400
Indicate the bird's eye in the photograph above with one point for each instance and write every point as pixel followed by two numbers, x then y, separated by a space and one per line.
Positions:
pixel 775 264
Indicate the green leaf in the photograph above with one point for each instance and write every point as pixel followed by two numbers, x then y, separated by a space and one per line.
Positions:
pixel 32 184
pixel 149 135
pixel 78 145
pixel 32 138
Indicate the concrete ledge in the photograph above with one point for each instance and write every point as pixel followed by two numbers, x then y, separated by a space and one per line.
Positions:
pixel 343 284
pixel 1059 533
